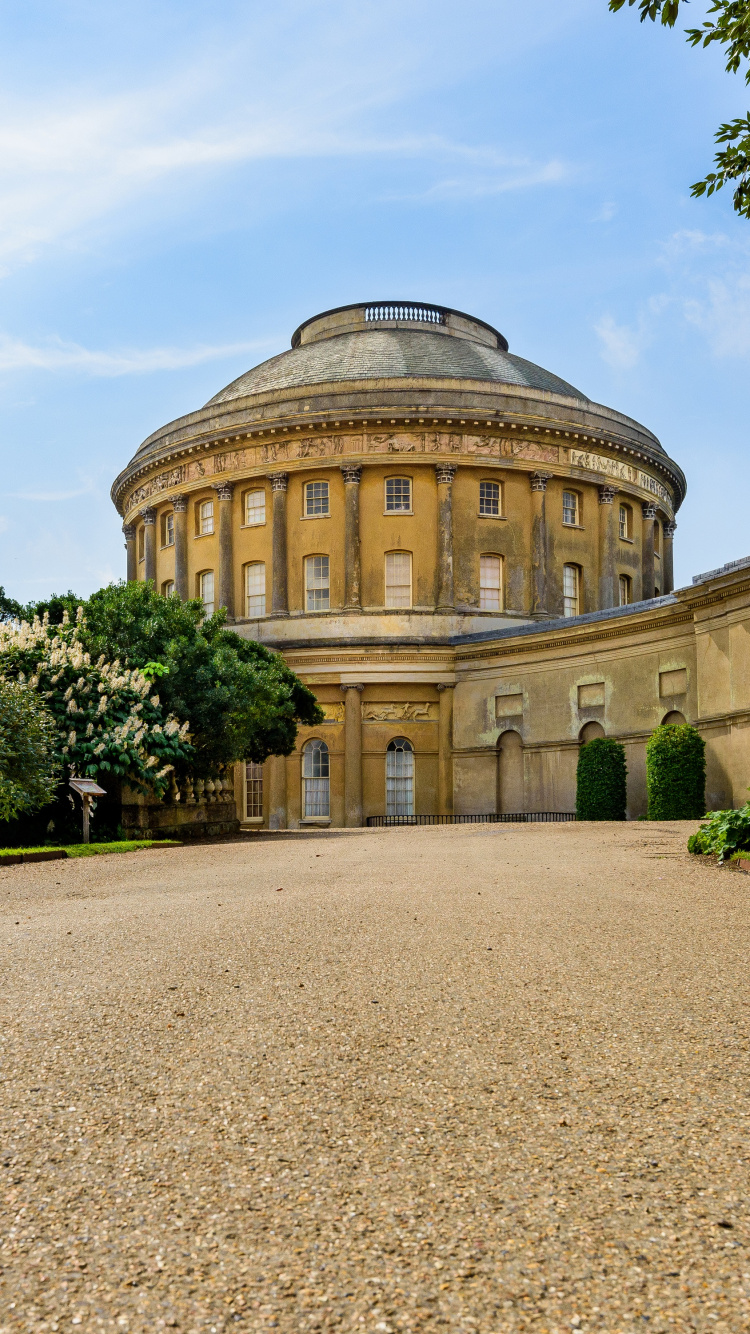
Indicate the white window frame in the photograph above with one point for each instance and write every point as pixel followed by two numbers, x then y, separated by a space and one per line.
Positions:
pixel 167 531
pixel 390 504
pixel 317 594
pixel 399 777
pixel 316 780
pixel 208 604
pixel 491 513
pixel 626 515
pixel 205 518
pixel 254 792
pixel 486 603
pixel 575 522
pixel 390 600
pixel 168 588
pixel 571 580
pixel 312 499
pixel 259 608
pixel 258 511
pixel 625 585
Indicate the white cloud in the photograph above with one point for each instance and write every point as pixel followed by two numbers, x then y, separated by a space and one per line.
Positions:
pixel 56 355
pixel 723 315
pixel 621 344
pixel 509 175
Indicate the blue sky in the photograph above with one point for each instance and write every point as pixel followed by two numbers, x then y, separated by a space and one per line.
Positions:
pixel 182 184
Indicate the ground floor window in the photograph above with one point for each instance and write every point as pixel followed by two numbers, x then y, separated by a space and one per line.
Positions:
pixel 399 777
pixel 253 791
pixel 316 779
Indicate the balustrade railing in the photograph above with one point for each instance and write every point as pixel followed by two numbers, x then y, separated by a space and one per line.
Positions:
pixel 384 313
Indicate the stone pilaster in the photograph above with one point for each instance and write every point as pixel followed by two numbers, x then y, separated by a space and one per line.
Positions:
pixel 352 474
pixel 352 755
pixel 539 482
pixel 129 531
pixel 445 472
pixel 276 770
pixel 445 751
pixel 149 542
pixel 279 581
pixel 179 505
pixel 668 556
pixel 225 491
pixel 607 567
pixel 647 550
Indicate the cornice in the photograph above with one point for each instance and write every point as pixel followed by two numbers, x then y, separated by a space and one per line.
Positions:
pixel 584 634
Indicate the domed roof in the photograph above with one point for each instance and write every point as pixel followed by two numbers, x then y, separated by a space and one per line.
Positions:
pixel 391 340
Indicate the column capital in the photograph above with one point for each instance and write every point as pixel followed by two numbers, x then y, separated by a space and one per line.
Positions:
pixel 446 686
pixel 278 480
pixel 539 480
pixel 669 528
pixel 445 472
pixel 649 509
pixel 352 472
pixel 351 685
pixel 179 504
pixel 148 514
pixel 128 530
pixel 607 494
pixel 224 490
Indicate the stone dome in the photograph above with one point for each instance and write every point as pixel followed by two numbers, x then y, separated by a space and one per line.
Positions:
pixel 390 340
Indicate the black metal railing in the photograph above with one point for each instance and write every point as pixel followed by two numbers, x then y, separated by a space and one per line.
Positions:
pixel 389 311
pixel 524 817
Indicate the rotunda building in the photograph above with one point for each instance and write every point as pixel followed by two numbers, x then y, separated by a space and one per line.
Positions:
pixel 395 482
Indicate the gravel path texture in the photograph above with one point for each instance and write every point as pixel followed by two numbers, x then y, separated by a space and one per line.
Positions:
pixel 474 1079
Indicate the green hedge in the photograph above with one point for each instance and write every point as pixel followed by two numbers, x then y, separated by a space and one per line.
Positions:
pixel 601 789
pixel 676 773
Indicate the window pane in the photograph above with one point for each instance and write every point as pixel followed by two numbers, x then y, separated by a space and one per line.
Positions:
pixel 570 590
pixel 489 497
pixel 255 589
pixel 398 579
pixel 624 590
pixel 206 517
pixel 169 588
pixel 399 778
pixel 316 778
pixel 490 583
pixel 398 494
pixel 570 507
pixel 317 583
pixel 253 791
pixel 657 536
pixel 169 530
pixel 623 521
pixel 255 507
pixel 316 498
pixel 207 591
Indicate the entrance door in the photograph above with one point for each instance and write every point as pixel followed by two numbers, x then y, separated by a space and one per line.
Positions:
pixel 399 777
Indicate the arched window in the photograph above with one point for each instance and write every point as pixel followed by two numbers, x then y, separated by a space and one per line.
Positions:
pixel 167 588
pixel 674 719
pixel 206 591
pixel 255 590
pixel 590 732
pixel 399 777
pixel 490 583
pixel 316 779
pixel 510 794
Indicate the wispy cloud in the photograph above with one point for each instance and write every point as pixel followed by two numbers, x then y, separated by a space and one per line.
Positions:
pixel 506 176
pixel 723 315
pixel 56 355
pixel 621 343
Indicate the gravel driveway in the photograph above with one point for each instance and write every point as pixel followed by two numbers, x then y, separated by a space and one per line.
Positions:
pixel 473 1079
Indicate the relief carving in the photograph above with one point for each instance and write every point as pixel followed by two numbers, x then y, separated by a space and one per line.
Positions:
pixel 395 443
pixel 399 712
pixel 334 713
pixel 529 449
pixel 480 444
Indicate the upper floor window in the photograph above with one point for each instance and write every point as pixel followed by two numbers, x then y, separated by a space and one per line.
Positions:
pixel 206 591
pixel 168 588
pixel 255 508
pixel 571 590
pixel 398 579
pixel 317 583
pixel 316 499
pixel 205 518
pixel 571 508
pixel 255 590
pixel 398 495
pixel 490 583
pixel 626 522
pixel 489 497
pixel 167 529
pixel 142 542
pixel 316 770
pixel 626 590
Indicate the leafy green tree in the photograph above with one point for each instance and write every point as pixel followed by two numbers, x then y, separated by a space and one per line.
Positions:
pixel 240 699
pixel 731 29
pixel 676 773
pixel 601 786
pixel 29 769
pixel 10 610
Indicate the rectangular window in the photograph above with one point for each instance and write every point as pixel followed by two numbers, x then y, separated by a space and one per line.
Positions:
pixel 255 590
pixel 205 518
pixel 168 588
pixel 570 507
pixel 253 791
pixel 317 583
pixel 489 497
pixel 625 590
pixel 657 538
pixel 571 599
pixel 398 579
pixel 142 543
pixel 255 508
pixel 398 495
pixel 167 530
pixel 206 585
pixel 316 499
pixel 625 513
pixel 490 583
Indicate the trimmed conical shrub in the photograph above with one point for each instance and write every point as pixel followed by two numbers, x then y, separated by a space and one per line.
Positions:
pixel 676 773
pixel 601 789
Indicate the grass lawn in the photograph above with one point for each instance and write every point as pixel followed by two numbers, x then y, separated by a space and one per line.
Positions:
pixel 94 849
